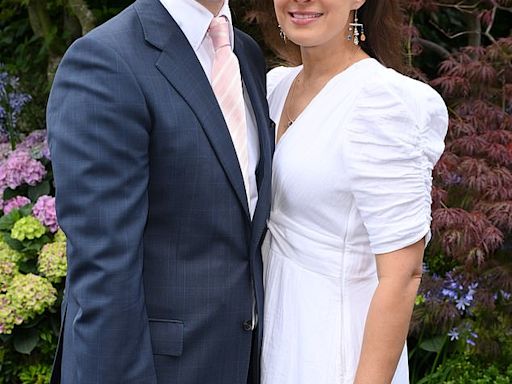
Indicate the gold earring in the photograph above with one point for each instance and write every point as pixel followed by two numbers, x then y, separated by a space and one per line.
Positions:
pixel 356 31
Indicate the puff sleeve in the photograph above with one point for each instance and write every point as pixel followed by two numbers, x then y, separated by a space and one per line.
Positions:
pixel 392 143
pixel 275 76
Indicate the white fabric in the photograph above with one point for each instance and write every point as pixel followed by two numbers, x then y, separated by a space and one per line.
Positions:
pixel 194 21
pixel 351 179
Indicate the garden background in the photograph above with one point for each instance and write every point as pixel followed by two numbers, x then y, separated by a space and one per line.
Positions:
pixel 461 332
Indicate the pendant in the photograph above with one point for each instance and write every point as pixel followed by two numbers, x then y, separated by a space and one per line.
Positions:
pixel 289 124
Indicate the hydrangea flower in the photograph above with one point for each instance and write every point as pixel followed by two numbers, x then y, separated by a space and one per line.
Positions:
pixel 8 269
pixel 27 228
pixel 8 318
pixel 20 168
pixel 44 210
pixel 36 144
pixel 5 147
pixel 52 261
pixel 15 203
pixel 60 236
pixel 9 254
pixel 30 295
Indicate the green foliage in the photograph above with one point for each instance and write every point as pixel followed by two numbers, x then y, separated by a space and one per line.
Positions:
pixel 35 374
pixel 462 369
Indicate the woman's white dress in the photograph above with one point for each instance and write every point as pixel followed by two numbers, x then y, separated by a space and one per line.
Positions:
pixel 351 179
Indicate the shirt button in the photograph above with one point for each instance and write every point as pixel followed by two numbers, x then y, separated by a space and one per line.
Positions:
pixel 247 325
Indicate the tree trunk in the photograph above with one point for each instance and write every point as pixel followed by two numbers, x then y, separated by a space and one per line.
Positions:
pixel 83 14
pixel 474 29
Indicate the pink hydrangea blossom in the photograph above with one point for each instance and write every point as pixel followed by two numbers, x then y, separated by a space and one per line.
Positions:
pixel 36 144
pixel 44 211
pixel 14 203
pixel 20 168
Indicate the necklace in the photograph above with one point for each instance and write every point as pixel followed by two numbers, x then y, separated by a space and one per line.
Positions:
pixel 290 121
pixel 292 94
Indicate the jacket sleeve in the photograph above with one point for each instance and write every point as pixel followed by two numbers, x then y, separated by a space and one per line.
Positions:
pixel 98 129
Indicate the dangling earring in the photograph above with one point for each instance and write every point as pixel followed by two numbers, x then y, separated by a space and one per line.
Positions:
pixel 282 34
pixel 356 31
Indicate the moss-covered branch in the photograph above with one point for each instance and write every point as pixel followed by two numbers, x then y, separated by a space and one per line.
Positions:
pixel 83 14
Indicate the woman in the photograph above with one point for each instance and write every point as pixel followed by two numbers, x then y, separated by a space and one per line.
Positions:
pixel 355 146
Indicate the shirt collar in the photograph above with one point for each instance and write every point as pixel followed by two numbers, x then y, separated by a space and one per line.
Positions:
pixel 194 19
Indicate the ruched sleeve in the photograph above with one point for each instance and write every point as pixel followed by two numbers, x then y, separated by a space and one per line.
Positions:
pixel 394 138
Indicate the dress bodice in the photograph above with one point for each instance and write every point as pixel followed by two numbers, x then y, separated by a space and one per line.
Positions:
pixel 362 151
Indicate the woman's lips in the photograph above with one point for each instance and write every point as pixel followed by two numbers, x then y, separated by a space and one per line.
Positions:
pixel 304 18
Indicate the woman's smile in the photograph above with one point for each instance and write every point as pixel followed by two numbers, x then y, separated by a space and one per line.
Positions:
pixel 304 17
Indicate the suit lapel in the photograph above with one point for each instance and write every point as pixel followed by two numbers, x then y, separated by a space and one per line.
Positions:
pixel 257 97
pixel 180 66
pixel 256 93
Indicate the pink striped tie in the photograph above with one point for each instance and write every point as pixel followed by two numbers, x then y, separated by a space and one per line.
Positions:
pixel 227 86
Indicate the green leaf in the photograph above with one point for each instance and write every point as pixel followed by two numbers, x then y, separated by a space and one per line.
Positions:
pixel 39 190
pixel 9 194
pixel 13 243
pixel 7 221
pixel 25 340
pixel 5 338
pixel 28 266
pixel 26 210
pixel 434 344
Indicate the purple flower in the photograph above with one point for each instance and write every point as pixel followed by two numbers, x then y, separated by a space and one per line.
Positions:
pixel 453 179
pixel 462 303
pixel 11 100
pixel 453 334
pixel 15 203
pixel 449 293
pixel 44 211
pixel 20 168
pixel 470 340
pixel 462 295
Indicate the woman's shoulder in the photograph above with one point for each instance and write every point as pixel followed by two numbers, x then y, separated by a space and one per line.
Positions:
pixel 391 90
pixel 276 75
pixel 395 111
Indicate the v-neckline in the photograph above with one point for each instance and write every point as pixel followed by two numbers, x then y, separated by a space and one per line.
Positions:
pixel 311 102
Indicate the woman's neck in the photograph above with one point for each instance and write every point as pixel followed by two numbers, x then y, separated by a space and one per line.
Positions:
pixel 320 63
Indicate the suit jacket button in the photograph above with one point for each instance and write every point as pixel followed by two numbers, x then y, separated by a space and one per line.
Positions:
pixel 247 325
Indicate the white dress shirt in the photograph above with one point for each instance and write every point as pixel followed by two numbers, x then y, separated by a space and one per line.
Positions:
pixel 194 20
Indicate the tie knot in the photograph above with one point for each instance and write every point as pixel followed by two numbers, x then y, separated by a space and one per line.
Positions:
pixel 219 32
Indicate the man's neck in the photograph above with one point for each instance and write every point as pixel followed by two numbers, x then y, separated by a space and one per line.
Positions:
pixel 214 6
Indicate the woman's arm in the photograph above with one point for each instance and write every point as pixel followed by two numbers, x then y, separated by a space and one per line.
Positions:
pixel 389 315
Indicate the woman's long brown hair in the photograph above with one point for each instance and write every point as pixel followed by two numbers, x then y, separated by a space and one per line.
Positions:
pixel 382 21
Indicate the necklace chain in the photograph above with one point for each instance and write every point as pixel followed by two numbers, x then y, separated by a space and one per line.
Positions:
pixel 290 121
pixel 292 94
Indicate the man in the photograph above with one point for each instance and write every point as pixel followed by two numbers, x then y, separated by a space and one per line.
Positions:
pixel 161 155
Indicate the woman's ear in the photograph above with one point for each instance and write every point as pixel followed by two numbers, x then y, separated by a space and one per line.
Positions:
pixel 356 4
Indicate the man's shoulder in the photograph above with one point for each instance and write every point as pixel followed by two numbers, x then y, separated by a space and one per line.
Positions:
pixel 249 43
pixel 118 30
